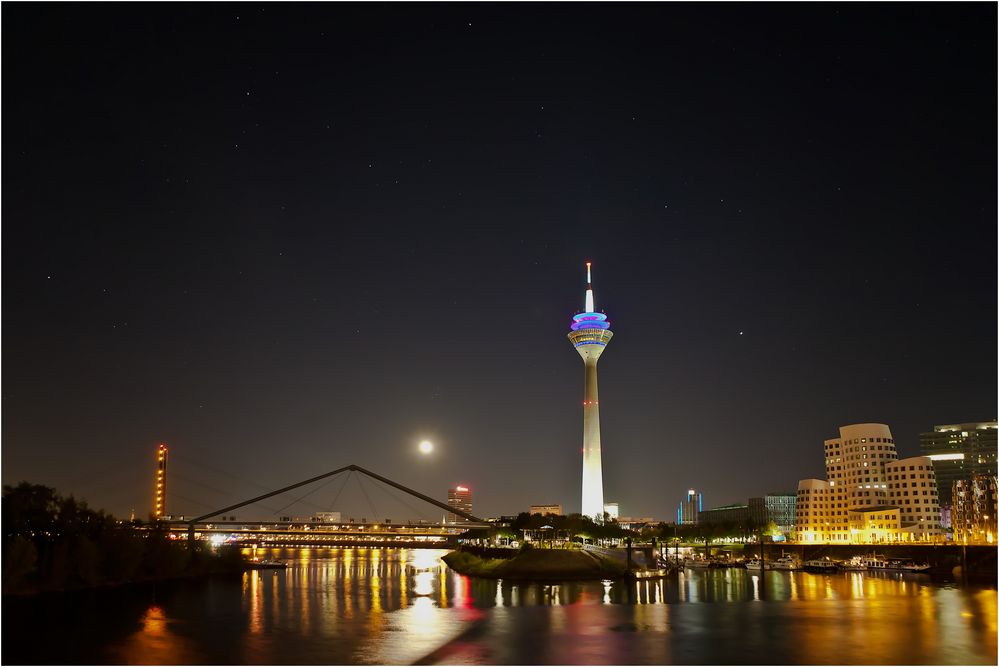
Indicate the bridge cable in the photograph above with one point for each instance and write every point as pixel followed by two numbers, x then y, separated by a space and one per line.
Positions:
pixel 190 500
pixel 201 464
pixel 239 479
pixel 342 486
pixel 212 488
pixel 371 505
pixel 392 493
pixel 307 494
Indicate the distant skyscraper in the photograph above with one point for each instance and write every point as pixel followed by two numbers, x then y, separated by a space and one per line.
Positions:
pixel 960 451
pixel 159 506
pixel 460 498
pixel 690 508
pixel 590 335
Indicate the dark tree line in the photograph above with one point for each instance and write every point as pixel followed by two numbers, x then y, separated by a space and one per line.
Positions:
pixel 52 542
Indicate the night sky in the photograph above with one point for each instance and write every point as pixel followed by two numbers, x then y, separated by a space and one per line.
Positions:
pixel 284 239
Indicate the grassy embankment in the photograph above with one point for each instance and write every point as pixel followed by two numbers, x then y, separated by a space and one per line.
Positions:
pixel 541 564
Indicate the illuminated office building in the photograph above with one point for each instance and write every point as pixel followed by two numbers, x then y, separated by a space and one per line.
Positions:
pixel 864 497
pixel 688 513
pixel 460 498
pixel 159 505
pixel 960 451
pixel 554 508
pixel 590 335
pixel 974 518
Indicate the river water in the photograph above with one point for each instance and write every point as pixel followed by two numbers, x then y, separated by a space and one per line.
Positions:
pixel 404 606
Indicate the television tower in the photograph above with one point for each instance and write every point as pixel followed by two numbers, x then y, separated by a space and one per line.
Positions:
pixel 590 335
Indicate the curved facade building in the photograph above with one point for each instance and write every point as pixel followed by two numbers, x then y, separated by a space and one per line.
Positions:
pixel 589 335
pixel 912 487
pixel 859 500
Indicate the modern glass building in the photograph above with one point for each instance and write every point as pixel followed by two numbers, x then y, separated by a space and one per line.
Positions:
pixel 460 498
pixel 776 507
pixel 690 509
pixel 960 451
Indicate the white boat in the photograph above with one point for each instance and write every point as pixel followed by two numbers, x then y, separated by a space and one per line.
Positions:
pixel 874 562
pixel 784 563
pixel 754 564
pixel 697 563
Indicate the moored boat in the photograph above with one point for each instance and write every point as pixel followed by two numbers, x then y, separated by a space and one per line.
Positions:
pixel 874 562
pixel 819 565
pixel 855 564
pixel 754 564
pixel 907 565
pixel 785 562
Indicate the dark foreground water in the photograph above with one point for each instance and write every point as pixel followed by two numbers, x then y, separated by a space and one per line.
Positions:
pixel 404 606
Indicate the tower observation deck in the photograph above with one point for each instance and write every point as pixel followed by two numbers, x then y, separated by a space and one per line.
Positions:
pixel 590 335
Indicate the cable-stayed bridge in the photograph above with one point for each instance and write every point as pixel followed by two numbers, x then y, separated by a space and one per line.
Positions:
pixel 328 527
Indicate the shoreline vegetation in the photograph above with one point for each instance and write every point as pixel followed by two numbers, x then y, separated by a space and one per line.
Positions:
pixel 537 564
pixel 53 543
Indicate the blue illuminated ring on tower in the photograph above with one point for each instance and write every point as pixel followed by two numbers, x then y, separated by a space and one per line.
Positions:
pixel 589 321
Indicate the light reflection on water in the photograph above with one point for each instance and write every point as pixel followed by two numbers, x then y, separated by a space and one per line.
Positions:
pixel 398 606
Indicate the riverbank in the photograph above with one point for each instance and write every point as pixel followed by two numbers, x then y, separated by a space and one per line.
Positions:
pixel 537 564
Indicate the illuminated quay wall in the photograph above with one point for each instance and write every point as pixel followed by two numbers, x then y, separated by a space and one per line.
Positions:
pixel 858 503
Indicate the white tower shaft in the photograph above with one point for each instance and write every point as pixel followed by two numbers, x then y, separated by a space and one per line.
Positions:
pixel 593 480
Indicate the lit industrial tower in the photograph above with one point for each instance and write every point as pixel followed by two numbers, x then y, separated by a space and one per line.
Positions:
pixel 159 510
pixel 590 335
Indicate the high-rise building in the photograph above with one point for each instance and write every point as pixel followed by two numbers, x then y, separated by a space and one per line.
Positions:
pixel 159 505
pixel 960 451
pixel 460 498
pixel 853 503
pixel 690 508
pixel 975 509
pixel 590 335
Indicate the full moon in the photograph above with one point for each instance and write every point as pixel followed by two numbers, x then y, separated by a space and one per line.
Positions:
pixel 426 447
